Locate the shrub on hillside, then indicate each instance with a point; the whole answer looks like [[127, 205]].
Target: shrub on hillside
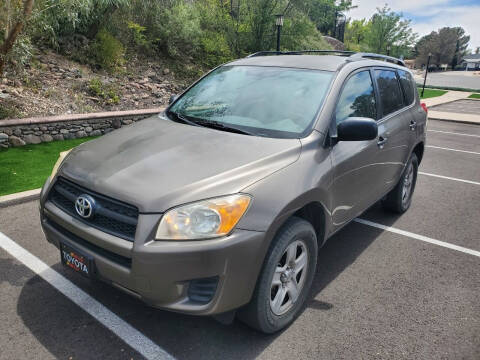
[[137, 33], [107, 52], [107, 92], [21, 53], [194, 34]]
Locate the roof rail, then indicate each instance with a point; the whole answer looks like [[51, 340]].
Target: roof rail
[[352, 55], [300, 52], [361, 55]]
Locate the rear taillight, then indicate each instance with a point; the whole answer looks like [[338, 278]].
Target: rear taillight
[[424, 107]]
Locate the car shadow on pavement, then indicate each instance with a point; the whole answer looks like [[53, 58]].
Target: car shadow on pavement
[[343, 249], [65, 331]]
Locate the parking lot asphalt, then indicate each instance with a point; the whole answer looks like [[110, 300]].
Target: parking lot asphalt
[[377, 294]]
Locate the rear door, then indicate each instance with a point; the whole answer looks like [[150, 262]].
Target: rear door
[[412, 101], [408, 88], [357, 182], [393, 126]]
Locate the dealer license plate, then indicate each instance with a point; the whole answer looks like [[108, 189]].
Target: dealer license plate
[[76, 260]]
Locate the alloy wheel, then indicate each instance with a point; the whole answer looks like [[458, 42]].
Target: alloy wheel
[[407, 185], [289, 277]]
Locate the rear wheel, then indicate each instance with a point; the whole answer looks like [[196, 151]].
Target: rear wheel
[[286, 278], [399, 199]]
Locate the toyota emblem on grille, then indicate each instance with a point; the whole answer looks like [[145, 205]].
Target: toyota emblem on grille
[[85, 206]]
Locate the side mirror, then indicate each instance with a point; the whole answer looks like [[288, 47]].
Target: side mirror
[[172, 99], [357, 129]]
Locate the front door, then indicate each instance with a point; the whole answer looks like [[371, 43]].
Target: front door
[[357, 174]]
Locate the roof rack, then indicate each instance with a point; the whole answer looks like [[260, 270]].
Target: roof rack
[[361, 55], [352, 56], [300, 52]]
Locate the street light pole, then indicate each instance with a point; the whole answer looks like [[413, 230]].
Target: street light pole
[[279, 23], [340, 20], [426, 71]]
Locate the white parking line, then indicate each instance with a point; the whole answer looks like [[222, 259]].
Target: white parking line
[[453, 133], [419, 237], [102, 314], [450, 149], [449, 178]]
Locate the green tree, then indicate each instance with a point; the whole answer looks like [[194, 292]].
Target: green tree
[[13, 22], [355, 34], [322, 12], [389, 32], [55, 18], [201, 32], [461, 45], [447, 46]]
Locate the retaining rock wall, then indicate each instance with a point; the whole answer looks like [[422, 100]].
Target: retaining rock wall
[[19, 132]]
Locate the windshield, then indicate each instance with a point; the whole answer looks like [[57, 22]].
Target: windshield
[[263, 101]]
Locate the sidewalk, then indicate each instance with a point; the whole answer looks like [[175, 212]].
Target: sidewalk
[[450, 96], [447, 97]]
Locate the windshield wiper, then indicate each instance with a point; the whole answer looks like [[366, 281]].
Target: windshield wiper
[[190, 120], [219, 126], [180, 118]]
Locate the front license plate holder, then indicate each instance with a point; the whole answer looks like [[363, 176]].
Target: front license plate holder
[[76, 260]]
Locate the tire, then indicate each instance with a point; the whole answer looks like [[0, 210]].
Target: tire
[[267, 312], [399, 199]]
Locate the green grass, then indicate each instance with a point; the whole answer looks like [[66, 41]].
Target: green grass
[[429, 93], [27, 167], [474, 96], [447, 88]]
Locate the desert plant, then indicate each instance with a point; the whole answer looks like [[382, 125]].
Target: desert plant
[[107, 92], [107, 52], [14, 22]]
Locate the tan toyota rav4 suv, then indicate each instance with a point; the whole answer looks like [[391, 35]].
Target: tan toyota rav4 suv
[[220, 204]]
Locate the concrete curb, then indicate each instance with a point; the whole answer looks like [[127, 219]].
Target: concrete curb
[[18, 198], [454, 121]]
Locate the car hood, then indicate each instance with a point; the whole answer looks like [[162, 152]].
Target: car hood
[[156, 164]]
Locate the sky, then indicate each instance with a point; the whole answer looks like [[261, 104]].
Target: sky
[[429, 15]]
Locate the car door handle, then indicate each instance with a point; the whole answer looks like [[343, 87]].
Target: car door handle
[[413, 125], [381, 142]]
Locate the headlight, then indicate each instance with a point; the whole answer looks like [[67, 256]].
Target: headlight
[[62, 157], [204, 219]]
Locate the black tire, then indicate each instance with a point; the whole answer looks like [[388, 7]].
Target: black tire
[[395, 201], [258, 313]]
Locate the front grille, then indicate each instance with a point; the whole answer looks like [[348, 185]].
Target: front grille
[[111, 216], [119, 259]]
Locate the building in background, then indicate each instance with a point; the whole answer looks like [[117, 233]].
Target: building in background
[[471, 62]]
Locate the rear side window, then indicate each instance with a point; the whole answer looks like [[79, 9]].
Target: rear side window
[[357, 98], [391, 96], [408, 86]]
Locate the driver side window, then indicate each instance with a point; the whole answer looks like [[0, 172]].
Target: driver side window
[[357, 98]]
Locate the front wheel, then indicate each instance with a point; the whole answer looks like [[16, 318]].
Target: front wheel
[[286, 278], [399, 199]]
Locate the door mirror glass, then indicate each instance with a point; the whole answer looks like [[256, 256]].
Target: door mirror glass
[[357, 129], [172, 99]]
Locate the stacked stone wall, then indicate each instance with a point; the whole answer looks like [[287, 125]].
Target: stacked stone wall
[[19, 132]]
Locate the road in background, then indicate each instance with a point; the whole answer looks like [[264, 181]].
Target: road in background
[[459, 79]]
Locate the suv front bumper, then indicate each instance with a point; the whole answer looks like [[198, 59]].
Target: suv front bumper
[[160, 272]]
